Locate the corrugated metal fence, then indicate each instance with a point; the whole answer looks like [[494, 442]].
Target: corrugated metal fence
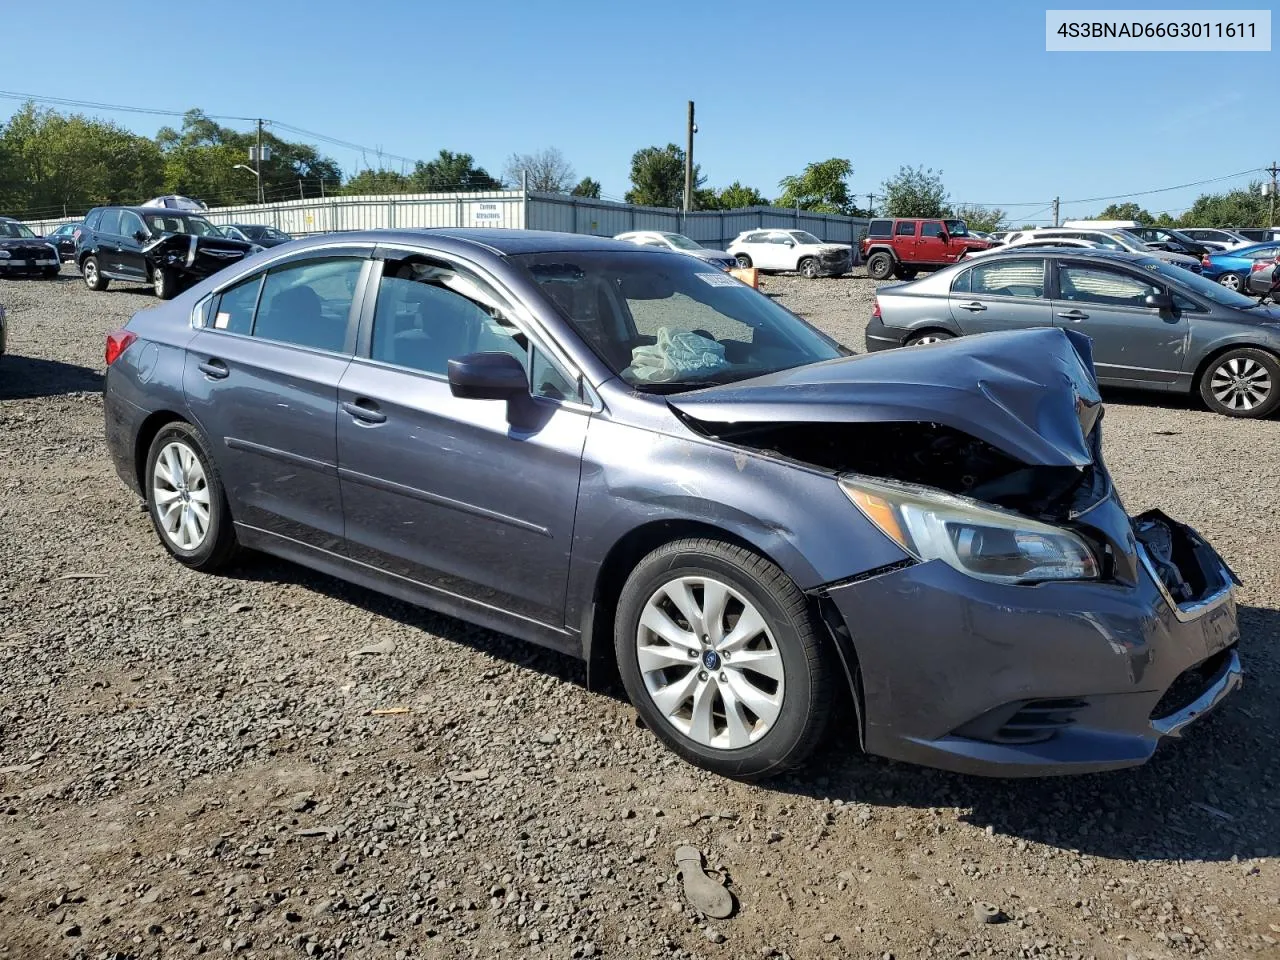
[[514, 209]]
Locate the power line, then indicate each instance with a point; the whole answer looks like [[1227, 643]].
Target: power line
[[93, 105]]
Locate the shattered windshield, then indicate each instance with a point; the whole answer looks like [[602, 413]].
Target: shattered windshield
[[179, 223], [672, 323]]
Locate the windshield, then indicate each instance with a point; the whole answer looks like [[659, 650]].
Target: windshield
[[681, 242], [15, 231], [803, 236], [1198, 284], [956, 228], [181, 223], [1131, 241], [671, 323]]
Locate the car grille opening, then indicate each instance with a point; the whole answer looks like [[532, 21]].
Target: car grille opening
[[1190, 685]]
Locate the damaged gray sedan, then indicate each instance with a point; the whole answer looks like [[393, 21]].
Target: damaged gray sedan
[[633, 458]]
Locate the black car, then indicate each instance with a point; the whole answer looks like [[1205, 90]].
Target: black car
[[171, 249], [1175, 241], [263, 236], [23, 254], [64, 238]]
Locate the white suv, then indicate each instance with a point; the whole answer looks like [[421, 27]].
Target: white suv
[[791, 250]]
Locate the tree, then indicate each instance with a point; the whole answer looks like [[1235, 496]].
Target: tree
[[915, 192], [823, 187], [1238, 208], [1125, 211], [979, 218], [587, 188], [1164, 220], [736, 195], [368, 182], [451, 172], [548, 171], [657, 177]]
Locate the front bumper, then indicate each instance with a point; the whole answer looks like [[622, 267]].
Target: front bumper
[[34, 266], [1058, 678]]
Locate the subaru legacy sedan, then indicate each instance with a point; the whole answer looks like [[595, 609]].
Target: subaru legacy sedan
[[631, 457], [1154, 326]]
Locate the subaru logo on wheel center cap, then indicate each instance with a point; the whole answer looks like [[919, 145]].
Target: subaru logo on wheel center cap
[[711, 660]]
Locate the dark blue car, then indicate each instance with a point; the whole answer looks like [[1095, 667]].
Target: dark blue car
[[629, 456], [1231, 268]]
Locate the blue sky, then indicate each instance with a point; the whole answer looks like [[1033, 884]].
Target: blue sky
[[963, 86]]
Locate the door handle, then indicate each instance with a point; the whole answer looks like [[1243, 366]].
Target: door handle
[[364, 410], [1074, 315], [974, 307], [214, 369]]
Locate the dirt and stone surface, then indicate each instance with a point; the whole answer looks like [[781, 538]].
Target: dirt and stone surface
[[204, 765]]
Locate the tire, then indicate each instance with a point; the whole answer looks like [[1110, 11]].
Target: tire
[[744, 262], [1232, 281], [166, 283], [928, 336], [808, 268], [879, 266], [1244, 382], [177, 481], [93, 279], [793, 698], [909, 273]]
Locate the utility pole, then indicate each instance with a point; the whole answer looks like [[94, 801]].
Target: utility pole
[[688, 163], [258, 161], [1273, 170], [1055, 211], [871, 204]]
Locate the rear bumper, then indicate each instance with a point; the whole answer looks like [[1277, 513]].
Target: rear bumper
[[880, 337], [1009, 681], [122, 421]]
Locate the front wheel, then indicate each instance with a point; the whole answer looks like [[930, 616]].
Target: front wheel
[[809, 268], [719, 654], [744, 262], [93, 278], [166, 283], [1244, 382], [880, 266], [186, 500]]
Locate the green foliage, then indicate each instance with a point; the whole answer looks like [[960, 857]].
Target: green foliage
[[1124, 211], [823, 187], [1164, 220], [451, 172], [980, 218], [1238, 208], [915, 192], [587, 188], [736, 195], [373, 182], [657, 177]]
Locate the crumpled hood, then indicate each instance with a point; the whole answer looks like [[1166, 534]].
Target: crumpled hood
[[1029, 393]]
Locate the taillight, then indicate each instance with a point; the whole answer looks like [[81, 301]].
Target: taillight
[[875, 313], [1204, 261], [1261, 265], [118, 341]]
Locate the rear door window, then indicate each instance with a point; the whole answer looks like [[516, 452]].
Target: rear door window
[[308, 304], [905, 228], [110, 222]]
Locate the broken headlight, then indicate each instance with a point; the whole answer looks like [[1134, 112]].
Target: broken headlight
[[976, 539]]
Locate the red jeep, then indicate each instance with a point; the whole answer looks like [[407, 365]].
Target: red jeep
[[902, 246]]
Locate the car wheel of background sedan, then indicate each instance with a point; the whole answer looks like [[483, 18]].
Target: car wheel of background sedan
[[928, 336], [1232, 281], [1242, 383], [92, 278], [879, 266], [186, 500], [809, 268], [744, 262], [720, 657], [166, 283]]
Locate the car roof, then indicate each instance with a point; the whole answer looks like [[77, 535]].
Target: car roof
[[1090, 252], [500, 241], [150, 211]]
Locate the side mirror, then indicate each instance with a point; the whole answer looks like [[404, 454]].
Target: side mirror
[[1159, 301], [487, 376]]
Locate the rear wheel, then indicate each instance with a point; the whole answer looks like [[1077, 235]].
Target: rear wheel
[[186, 500], [1244, 382], [93, 278], [880, 266], [1232, 281], [928, 336], [720, 656], [744, 262]]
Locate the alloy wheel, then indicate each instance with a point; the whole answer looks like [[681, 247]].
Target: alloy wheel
[[927, 338], [90, 273], [180, 491], [709, 662], [1230, 281], [1241, 383]]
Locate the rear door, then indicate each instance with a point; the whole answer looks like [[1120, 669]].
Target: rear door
[[132, 263], [1133, 344], [1007, 293], [904, 240], [261, 379], [107, 244]]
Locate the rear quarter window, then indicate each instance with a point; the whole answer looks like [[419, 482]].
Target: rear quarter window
[[879, 228]]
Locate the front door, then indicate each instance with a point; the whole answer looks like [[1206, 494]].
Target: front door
[[1004, 294], [930, 247], [1133, 344], [261, 380], [447, 492], [776, 252]]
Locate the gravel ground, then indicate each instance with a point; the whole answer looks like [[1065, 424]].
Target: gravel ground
[[194, 764]]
